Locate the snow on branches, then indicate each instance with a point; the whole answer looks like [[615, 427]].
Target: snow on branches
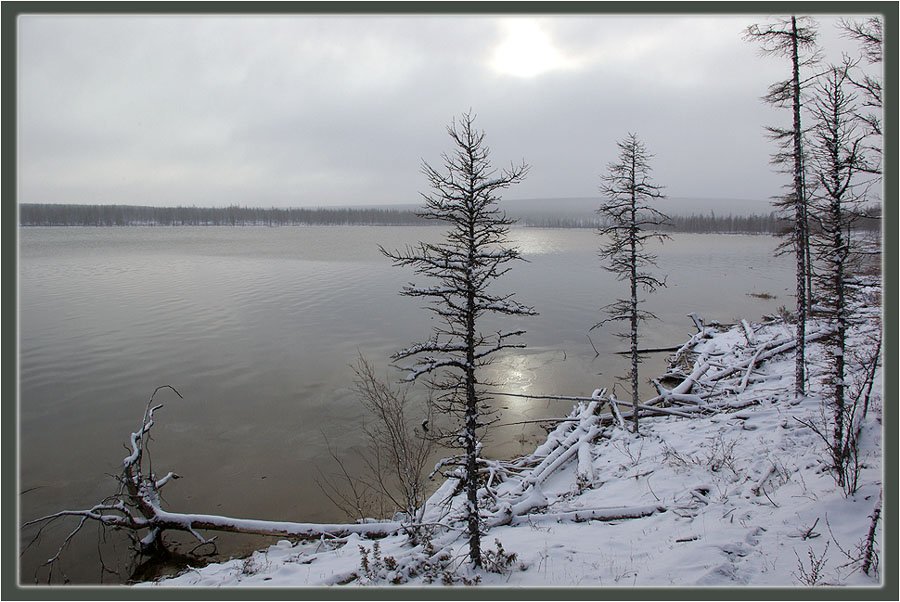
[[628, 223], [473, 255]]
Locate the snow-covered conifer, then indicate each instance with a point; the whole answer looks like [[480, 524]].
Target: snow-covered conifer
[[474, 254], [837, 160], [628, 222]]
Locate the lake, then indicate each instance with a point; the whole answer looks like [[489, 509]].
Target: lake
[[257, 328]]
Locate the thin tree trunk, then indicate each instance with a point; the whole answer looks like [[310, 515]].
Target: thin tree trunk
[[800, 238], [471, 411], [808, 256], [842, 437], [634, 299], [870, 557]]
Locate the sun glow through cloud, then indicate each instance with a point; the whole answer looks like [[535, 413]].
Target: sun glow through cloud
[[526, 51]]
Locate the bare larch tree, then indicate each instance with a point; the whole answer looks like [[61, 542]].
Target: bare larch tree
[[794, 38], [473, 255], [836, 157], [628, 222]]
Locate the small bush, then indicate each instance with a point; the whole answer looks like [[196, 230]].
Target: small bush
[[498, 561], [811, 576]]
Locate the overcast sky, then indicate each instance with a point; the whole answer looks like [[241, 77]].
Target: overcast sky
[[301, 111]]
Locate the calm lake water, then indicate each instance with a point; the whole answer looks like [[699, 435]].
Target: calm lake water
[[257, 328]]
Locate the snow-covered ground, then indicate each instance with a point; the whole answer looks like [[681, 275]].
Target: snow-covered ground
[[736, 491]]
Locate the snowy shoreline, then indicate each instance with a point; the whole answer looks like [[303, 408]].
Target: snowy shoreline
[[731, 488]]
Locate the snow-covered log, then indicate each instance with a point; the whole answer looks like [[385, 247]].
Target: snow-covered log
[[115, 515], [680, 398], [748, 332], [753, 361], [564, 427], [601, 514], [703, 334], [654, 409], [614, 408], [568, 442], [559, 434], [289, 530], [698, 321], [565, 452], [584, 473]]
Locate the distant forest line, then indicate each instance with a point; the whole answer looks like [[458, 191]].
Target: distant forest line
[[41, 214]]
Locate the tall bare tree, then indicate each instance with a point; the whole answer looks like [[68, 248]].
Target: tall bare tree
[[837, 159], [793, 38], [628, 223], [474, 254]]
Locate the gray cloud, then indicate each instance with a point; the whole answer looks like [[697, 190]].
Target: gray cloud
[[300, 110]]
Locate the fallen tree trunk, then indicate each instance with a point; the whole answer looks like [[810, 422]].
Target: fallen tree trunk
[[136, 507], [614, 408], [290, 530], [586, 430], [643, 406], [748, 332], [650, 408], [119, 516], [653, 350], [601, 514]]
